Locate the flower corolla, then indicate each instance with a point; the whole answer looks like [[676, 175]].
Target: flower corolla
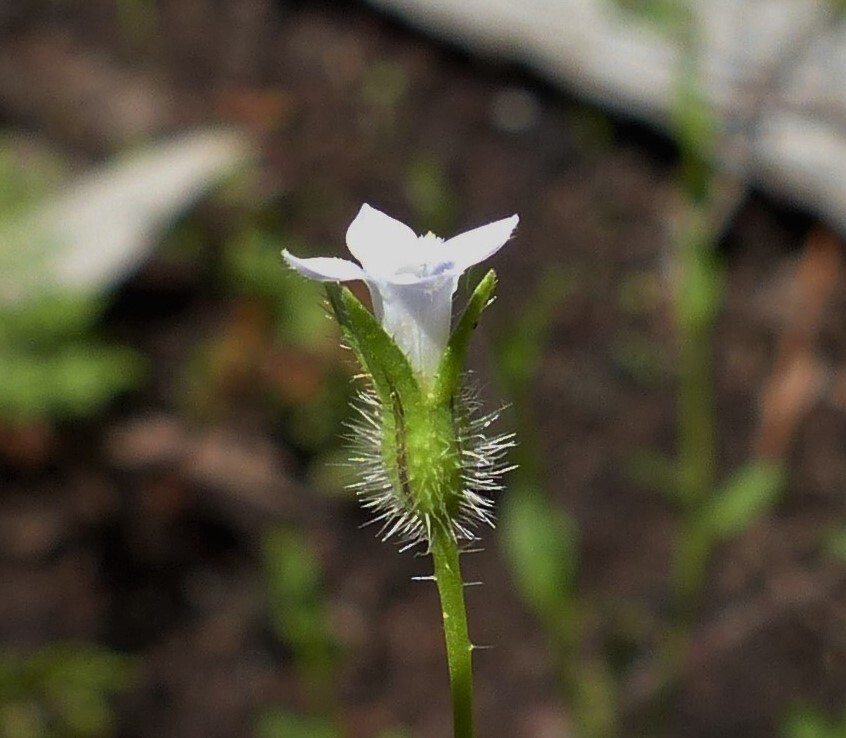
[[411, 278]]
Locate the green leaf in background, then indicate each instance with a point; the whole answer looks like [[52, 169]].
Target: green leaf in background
[[812, 723], [542, 548], [747, 496], [540, 541], [29, 171], [696, 129], [253, 268], [835, 543], [73, 380], [61, 691], [48, 319], [297, 610], [663, 13], [520, 349]]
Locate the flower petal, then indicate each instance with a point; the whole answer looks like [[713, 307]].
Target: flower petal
[[381, 243], [324, 268], [417, 317], [472, 247]]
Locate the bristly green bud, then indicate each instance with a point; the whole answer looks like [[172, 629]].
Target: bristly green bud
[[443, 474], [421, 449]]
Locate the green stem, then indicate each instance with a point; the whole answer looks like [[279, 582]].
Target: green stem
[[696, 416], [697, 430], [690, 568], [696, 387], [458, 647]]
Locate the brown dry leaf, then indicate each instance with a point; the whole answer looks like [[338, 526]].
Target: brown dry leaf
[[799, 376]]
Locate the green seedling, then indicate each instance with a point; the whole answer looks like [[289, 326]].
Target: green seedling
[[300, 621], [539, 540], [298, 612], [711, 511]]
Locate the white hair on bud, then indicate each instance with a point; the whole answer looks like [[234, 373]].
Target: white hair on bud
[[482, 464]]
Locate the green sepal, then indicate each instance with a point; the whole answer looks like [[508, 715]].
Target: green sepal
[[418, 435], [455, 355], [384, 362]]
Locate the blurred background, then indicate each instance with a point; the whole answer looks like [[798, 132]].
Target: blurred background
[[178, 553]]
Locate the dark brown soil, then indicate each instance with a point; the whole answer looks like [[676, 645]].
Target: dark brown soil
[[140, 529]]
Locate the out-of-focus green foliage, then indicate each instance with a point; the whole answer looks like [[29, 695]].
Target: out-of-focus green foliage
[[297, 609], [541, 544], [835, 543], [430, 193], [701, 283], [42, 323], [539, 539], [71, 381], [300, 621], [811, 723], [281, 724], [254, 267], [519, 351], [384, 86], [61, 691], [664, 13], [25, 175], [748, 493], [52, 365], [285, 347], [138, 20]]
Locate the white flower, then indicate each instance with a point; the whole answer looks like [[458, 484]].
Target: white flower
[[411, 278]]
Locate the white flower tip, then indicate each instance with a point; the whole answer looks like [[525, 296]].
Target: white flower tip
[[324, 268], [473, 247], [378, 241], [507, 225]]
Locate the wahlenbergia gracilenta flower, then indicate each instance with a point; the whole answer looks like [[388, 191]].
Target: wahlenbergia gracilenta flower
[[425, 462]]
